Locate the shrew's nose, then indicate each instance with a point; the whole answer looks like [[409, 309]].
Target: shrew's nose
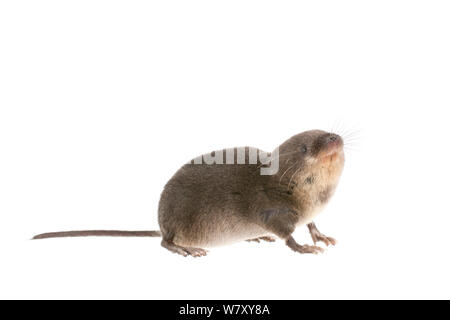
[[333, 137]]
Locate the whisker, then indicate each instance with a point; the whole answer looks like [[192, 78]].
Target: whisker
[[351, 148], [289, 184], [279, 182], [347, 132], [333, 126], [352, 139], [352, 131], [337, 126], [351, 135], [352, 144]]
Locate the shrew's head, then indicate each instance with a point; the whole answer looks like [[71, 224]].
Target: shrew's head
[[310, 154]]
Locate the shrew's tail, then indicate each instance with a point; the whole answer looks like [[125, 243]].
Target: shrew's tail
[[98, 233]]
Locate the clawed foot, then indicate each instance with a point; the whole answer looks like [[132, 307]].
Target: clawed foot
[[290, 242], [307, 249], [320, 237], [317, 236], [196, 252], [184, 251], [268, 239]]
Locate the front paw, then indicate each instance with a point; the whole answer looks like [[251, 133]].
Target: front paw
[[319, 237]]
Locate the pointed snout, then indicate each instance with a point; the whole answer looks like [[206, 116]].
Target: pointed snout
[[334, 141], [331, 144]]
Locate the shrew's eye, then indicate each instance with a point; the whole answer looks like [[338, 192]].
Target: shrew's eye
[[304, 149]]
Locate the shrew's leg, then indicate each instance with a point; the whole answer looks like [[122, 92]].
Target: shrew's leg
[[184, 251], [317, 236], [282, 222], [290, 242]]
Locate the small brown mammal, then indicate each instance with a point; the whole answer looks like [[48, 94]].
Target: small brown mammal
[[205, 205]]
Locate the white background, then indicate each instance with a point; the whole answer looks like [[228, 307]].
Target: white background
[[102, 101]]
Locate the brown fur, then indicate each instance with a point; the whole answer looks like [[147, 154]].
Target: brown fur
[[205, 205]]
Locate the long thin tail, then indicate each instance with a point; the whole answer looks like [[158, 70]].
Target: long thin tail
[[98, 233]]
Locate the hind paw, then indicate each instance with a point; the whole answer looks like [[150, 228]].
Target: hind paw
[[184, 251], [268, 239]]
